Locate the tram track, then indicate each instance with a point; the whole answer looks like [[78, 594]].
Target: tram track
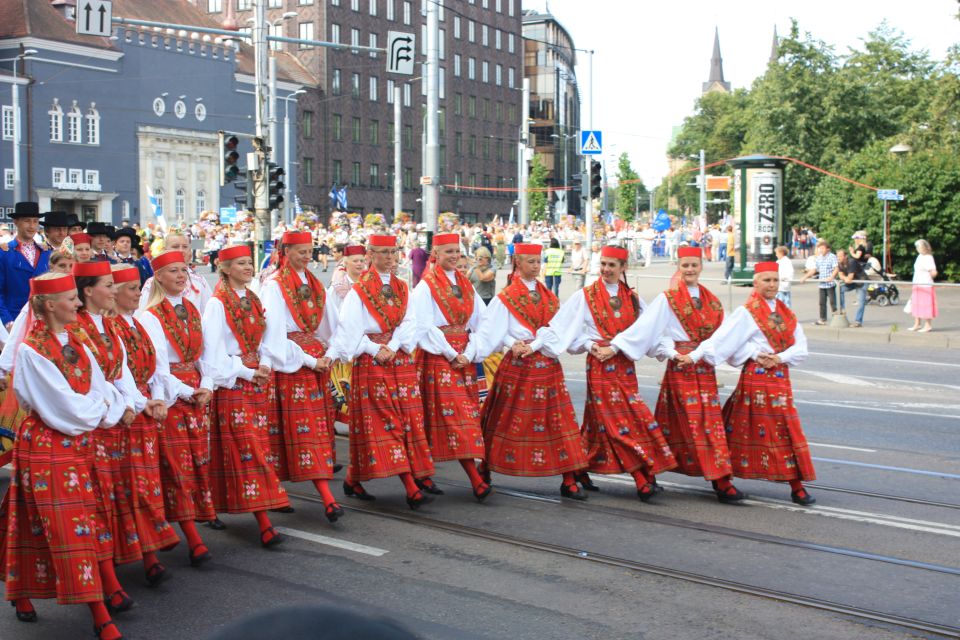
[[884, 496], [861, 613]]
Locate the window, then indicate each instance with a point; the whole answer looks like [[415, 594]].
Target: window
[[354, 39], [458, 104], [510, 79], [335, 82], [390, 10], [497, 42], [336, 126], [158, 196], [59, 176], [511, 114], [510, 42], [374, 42], [472, 147], [498, 75], [214, 6], [337, 169], [485, 71], [373, 88], [374, 175], [374, 129], [7, 122], [458, 178], [355, 85], [407, 136], [456, 27], [304, 2], [407, 178], [458, 143], [487, 111], [274, 4], [201, 202], [406, 13], [443, 44], [305, 32], [276, 30], [443, 83], [406, 94], [510, 7], [180, 203], [485, 35], [8, 179], [308, 171], [355, 130], [499, 148], [335, 33], [355, 5], [472, 106], [456, 65], [355, 177], [499, 5], [486, 148], [472, 180], [472, 68], [92, 177], [499, 111], [334, 3], [390, 175], [74, 119], [390, 87], [471, 31], [307, 123], [373, 7], [390, 131]]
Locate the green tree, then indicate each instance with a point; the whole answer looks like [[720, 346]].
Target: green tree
[[629, 187], [537, 200]]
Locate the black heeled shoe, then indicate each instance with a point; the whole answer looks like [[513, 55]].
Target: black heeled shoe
[[572, 491], [24, 616], [274, 539], [484, 471], [98, 630], [357, 491], [126, 603], [417, 500], [156, 574], [287, 509], [646, 492], [198, 560], [584, 479], [803, 498], [430, 486], [333, 512], [731, 495], [481, 491], [337, 468], [216, 524]]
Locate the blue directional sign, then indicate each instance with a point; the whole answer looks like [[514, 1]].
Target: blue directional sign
[[889, 194], [591, 143]]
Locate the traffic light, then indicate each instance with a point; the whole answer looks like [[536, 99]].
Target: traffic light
[[243, 200], [596, 179], [230, 156], [275, 185]]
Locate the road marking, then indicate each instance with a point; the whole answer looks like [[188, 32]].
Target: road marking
[[883, 467], [840, 446], [332, 542], [837, 405], [866, 517], [840, 378], [887, 360]]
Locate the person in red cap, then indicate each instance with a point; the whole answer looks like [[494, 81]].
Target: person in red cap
[[529, 425], [54, 543], [619, 432], [350, 267], [197, 290], [140, 465], [82, 246], [300, 326], [673, 328], [449, 313], [378, 332], [763, 428], [174, 326], [242, 479]]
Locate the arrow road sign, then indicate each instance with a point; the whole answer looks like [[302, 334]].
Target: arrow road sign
[[400, 50], [93, 18], [591, 143]]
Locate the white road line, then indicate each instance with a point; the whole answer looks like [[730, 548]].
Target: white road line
[[836, 405], [841, 378], [332, 542], [840, 446], [883, 467], [866, 517], [844, 355]]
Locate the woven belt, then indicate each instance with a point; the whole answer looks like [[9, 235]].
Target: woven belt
[[453, 329], [381, 338], [250, 360], [183, 367]]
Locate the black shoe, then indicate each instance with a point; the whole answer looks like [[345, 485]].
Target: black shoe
[[198, 560], [287, 509], [656, 487], [357, 491], [572, 491], [273, 540], [482, 491], [417, 500], [333, 512], [430, 487], [98, 630], [646, 492], [156, 574], [126, 603], [803, 498], [216, 524], [337, 468], [484, 472], [24, 616], [584, 479], [731, 495]]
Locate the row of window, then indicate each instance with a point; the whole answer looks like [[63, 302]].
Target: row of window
[[375, 180], [373, 40], [78, 124], [75, 179], [484, 71], [180, 201], [373, 6]]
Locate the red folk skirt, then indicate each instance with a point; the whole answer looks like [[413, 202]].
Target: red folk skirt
[[387, 437], [619, 432], [301, 427], [185, 455], [53, 538], [141, 473], [688, 411], [763, 427], [528, 421], [451, 406], [242, 479], [113, 498]]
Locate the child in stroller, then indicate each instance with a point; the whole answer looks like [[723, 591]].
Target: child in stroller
[[883, 291]]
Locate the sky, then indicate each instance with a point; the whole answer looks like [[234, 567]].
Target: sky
[[652, 57]]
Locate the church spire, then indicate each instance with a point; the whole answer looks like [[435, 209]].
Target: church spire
[[774, 49], [716, 82]]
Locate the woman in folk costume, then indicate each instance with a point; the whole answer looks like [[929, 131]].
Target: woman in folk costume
[[448, 313], [241, 477], [347, 272], [619, 432], [174, 326], [529, 426], [55, 544], [763, 428], [299, 327], [378, 332], [141, 463], [673, 328]]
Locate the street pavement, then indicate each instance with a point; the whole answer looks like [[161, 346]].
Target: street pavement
[[882, 418]]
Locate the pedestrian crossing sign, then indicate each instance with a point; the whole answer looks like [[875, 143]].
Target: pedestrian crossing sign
[[591, 143]]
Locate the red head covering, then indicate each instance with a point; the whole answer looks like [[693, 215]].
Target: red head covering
[[50, 286], [527, 249], [126, 273], [91, 269], [618, 253], [762, 267], [235, 251], [81, 238], [689, 252], [446, 238], [354, 250], [296, 237], [167, 258], [382, 241]]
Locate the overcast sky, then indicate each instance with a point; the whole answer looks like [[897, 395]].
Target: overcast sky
[[652, 57]]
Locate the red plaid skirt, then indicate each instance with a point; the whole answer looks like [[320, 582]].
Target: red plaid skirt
[[113, 496], [242, 479], [185, 455], [688, 411], [301, 431], [528, 421], [141, 473], [53, 539], [387, 437], [451, 407], [763, 427], [619, 432]]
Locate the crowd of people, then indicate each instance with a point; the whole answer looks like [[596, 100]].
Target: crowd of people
[[136, 409]]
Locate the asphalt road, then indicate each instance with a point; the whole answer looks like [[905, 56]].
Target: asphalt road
[[885, 536]]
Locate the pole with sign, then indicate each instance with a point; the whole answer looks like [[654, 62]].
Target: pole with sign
[[887, 195]]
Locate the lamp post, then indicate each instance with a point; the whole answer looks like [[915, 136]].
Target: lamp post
[[897, 150], [286, 147], [564, 141], [15, 94]]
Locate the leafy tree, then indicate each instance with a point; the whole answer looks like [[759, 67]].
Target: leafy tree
[[627, 189], [537, 200]]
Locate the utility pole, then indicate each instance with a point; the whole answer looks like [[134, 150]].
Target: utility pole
[[259, 175], [431, 150], [272, 137], [524, 166], [585, 164], [397, 176]]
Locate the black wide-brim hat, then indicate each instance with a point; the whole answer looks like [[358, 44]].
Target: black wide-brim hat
[[127, 232], [101, 229], [26, 210], [56, 219], [74, 221]]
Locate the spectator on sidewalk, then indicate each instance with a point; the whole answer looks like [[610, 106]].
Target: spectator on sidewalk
[[923, 300], [785, 267], [851, 270], [578, 264], [860, 249], [553, 266], [732, 244], [826, 272]]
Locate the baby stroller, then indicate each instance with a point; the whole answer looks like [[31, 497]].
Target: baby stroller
[[883, 292]]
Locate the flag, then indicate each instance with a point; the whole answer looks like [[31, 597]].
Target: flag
[[157, 209], [511, 216], [342, 197], [297, 209], [333, 196]]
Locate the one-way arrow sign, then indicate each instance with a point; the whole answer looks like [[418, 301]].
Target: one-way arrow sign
[[94, 18]]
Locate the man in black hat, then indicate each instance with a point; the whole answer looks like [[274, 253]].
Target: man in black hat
[[23, 259], [55, 228], [126, 242], [74, 224], [102, 235]]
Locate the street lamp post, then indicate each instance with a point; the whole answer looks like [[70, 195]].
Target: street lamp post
[[286, 148], [564, 141], [897, 150], [15, 94]]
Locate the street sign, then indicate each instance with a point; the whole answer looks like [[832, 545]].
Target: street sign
[[400, 50], [591, 143], [426, 180], [718, 183], [94, 17], [889, 194]]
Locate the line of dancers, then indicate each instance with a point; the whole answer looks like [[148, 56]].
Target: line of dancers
[[145, 410]]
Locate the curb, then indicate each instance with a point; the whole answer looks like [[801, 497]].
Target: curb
[[931, 340]]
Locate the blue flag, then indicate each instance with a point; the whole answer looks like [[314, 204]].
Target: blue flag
[[342, 197], [333, 196]]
